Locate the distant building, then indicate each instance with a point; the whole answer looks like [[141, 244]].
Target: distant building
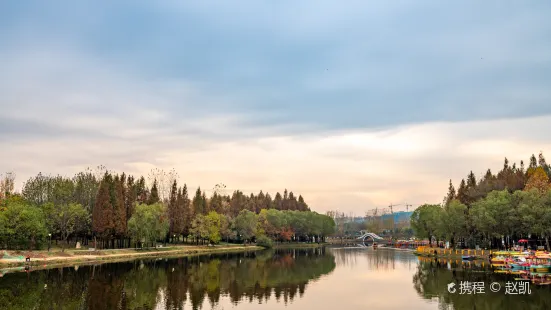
[[400, 216]]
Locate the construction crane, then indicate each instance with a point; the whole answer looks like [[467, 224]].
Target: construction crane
[[392, 214]]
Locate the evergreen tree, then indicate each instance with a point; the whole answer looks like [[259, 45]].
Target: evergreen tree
[[285, 201], [206, 204], [462, 192], [251, 203], [154, 195], [119, 207], [451, 194], [293, 204], [261, 201], [131, 197], [173, 208], [278, 202], [268, 204], [542, 163], [102, 216], [471, 180], [237, 202], [302, 206], [532, 167], [521, 166], [198, 206], [187, 210], [141, 191], [472, 190]]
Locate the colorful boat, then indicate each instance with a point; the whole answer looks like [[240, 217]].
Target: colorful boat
[[541, 263]]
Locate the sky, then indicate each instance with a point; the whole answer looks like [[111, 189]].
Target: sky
[[354, 105]]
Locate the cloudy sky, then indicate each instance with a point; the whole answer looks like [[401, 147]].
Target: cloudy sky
[[353, 105]]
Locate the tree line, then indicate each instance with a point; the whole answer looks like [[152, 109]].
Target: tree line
[[492, 212], [118, 210]]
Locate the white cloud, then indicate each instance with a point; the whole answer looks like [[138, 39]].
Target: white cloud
[[98, 112], [352, 171]]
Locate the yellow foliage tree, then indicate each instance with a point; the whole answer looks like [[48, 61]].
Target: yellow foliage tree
[[538, 180]]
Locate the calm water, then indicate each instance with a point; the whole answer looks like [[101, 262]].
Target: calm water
[[328, 278]]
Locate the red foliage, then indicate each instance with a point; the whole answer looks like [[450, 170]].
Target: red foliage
[[286, 234]]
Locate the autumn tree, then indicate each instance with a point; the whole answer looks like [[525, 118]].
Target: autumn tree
[[538, 180], [103, 215]]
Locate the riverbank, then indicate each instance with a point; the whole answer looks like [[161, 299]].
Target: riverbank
[[451, 253], [298, 245], [44, 258]]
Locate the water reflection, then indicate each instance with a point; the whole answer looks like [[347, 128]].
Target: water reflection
[[169, 284], [432, 277], [380, 259]]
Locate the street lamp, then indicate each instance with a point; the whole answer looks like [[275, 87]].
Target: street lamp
[[173, 237], [49, 242]]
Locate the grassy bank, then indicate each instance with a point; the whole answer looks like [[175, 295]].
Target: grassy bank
[[298, 245], [74, 257]]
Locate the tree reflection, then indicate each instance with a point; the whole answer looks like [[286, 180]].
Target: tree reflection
[[432, 277], [170, 283], [381, 259]]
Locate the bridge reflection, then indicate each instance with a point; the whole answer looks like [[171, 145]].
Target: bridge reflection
[[381, 259]]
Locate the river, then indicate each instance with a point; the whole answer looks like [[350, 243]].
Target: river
[[323, 278]]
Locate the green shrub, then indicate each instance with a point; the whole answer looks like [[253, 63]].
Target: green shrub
[[264, 241]]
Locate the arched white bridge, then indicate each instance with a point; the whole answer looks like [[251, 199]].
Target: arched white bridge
[[365, 234]]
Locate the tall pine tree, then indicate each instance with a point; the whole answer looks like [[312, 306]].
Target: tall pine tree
[[462, 192], [187, 210], [154, 195], [198, 206], [102, 215], [451, 194], [141, 191], [173, 209]]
